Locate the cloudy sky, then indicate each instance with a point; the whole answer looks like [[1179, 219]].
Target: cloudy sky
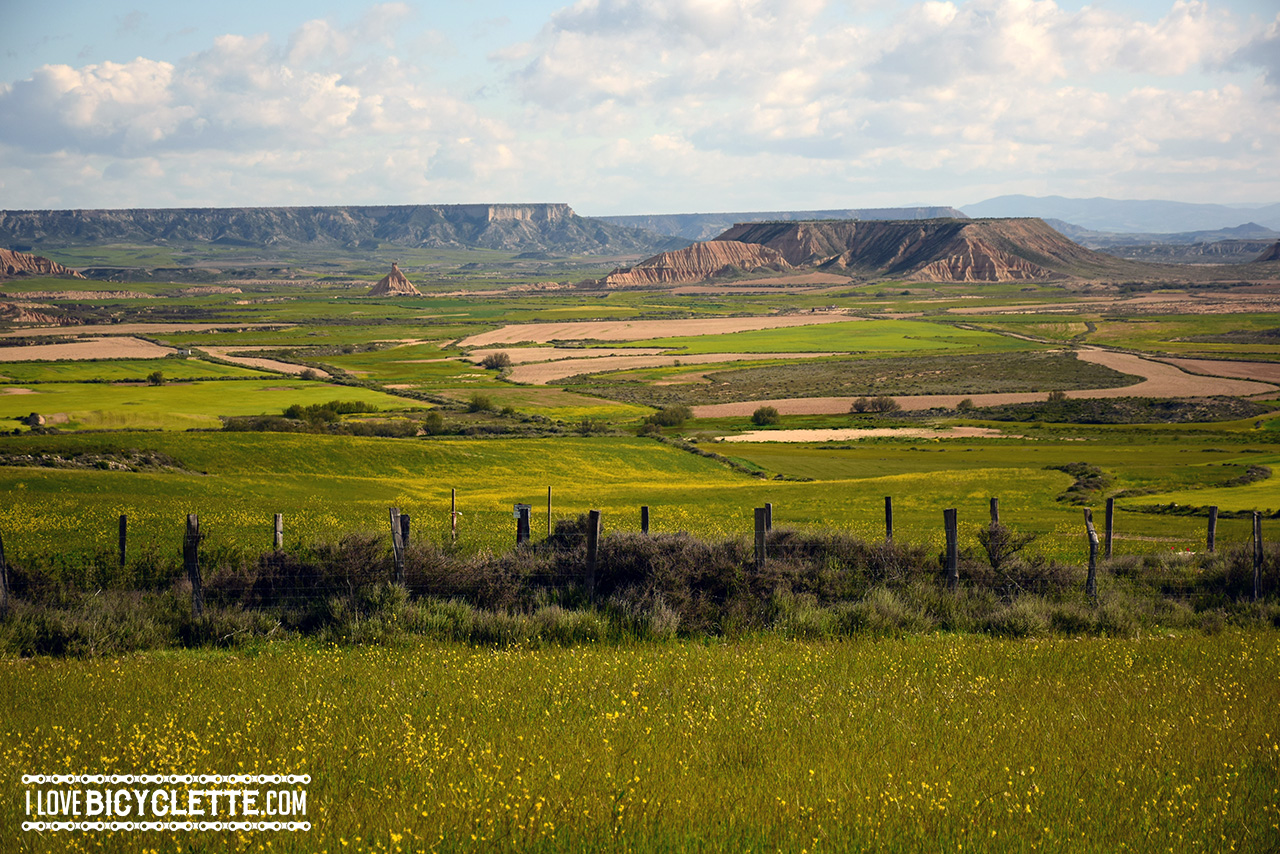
[[636, 106]]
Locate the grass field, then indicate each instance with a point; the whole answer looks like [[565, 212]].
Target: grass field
[[327, 485], [876, 336], [176, 406], [121, 370], [937, 743]]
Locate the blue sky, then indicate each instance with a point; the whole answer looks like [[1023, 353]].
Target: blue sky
[[636, 106]]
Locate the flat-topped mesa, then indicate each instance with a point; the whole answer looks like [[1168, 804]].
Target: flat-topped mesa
[[394, 283], [539, 212], [14, 264], [698, 262], [944, 250]]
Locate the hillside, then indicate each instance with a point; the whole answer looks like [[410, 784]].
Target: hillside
[[697, 262], [553, 228], [704, 226], [14, 264], [947, 250]]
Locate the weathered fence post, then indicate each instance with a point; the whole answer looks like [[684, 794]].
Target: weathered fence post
[[521, 512], [279, 531], [124, 538], [1257, 553], [768, 517], [995, 512], [397, 545], [191, 560], [4, 578], [1091, 581], [888, 518], [1211, 541], [760, 537], [404, 531], [644, 520], [593, 543], [953, 548], [453, 514], [548, 512], [1111, 524]]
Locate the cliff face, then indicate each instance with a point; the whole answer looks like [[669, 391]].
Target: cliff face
[[522, 228], [698, 262], [945, 250], [25, 264]]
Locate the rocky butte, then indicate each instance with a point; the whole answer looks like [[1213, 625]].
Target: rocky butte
[[938, 250]]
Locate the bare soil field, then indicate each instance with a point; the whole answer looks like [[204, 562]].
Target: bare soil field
[[136, 329], [855, 433], [523, 355], [89, 348], [1160, 380], [542, 373], [1267, 372], [227, 355], [637, 330]]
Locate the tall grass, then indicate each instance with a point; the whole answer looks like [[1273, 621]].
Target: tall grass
[[933, 743]]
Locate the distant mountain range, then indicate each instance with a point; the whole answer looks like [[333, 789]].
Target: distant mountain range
[[704, 226], [1154, 219]]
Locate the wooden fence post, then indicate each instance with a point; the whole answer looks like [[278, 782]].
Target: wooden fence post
[[995, 512], [760, 537], [644, 520], [522, 512], [1257, 553], [279, 531], [1091, 582], [404, 531], [124, 538], [1211, 541], [768, 517], [548, 512], [953, 548], [453, 514], [593, 544], [4, 579], [397, 545], [888, 519], [1111, 525], [191, 559]]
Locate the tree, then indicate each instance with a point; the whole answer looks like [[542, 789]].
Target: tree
[[496, 361], [480, 403], [671, 416], [883, 403], [155, 378], [765, 416], [965, 405]]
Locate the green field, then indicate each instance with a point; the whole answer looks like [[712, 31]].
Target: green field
[[871, 336], [175, 406], [121, 370], [936, 743]]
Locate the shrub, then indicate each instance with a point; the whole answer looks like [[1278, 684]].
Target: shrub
[[496, 361], [155, 378], [765, 416], [670, 416], [480, 403]]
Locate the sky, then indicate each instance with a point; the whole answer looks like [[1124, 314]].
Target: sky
[[636, 106]]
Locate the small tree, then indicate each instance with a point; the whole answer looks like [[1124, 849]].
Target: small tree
[[671, 416], [155, 378], [859, 406], [480, 403], [765, 416], [496, 361], [883, 403], [965, 405]]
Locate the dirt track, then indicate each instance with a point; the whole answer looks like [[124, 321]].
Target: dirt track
[[225, 353], [1160, 380], [638, 330], [855, 433], [135, 329]]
